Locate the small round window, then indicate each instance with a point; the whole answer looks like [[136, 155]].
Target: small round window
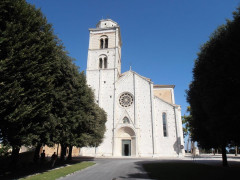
[[126, 99]]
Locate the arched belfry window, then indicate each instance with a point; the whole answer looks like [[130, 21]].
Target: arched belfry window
[[164, 120], [106, 43], [103, 62], [103, 42], [126, 120]]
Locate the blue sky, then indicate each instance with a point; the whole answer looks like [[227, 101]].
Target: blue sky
[[161, 38]]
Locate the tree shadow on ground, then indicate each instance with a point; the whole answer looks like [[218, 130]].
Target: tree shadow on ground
[[24, 169], [188, 170], [184, 170], [142, 173], [218, 156]]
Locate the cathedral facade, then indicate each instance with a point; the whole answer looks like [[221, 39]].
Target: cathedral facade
[[142, 118]]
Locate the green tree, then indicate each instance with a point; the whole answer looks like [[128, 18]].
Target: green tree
[[4, 150], [187, 128], [185, 120], [214, 92], [90, 126], [97, 126], [43, 97], [90, 131], [82, 119], [29, 71]]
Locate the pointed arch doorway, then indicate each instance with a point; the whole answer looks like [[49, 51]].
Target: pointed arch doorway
[[125, 142]]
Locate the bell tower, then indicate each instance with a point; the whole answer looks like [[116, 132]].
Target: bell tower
[[103, 70]]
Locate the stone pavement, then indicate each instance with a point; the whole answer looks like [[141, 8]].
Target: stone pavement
[[131, 168], [110, 168]]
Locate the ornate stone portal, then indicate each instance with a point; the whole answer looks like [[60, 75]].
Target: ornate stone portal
[[125, 142]]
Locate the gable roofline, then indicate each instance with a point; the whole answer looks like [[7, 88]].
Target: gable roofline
[[131, 71], [163, 86], [173, 105], [163, 101]]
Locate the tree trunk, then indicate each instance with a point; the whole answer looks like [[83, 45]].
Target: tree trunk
[[188, 145], [36, 153], [63, 152], [14, 156], [236, 150], [224, 156], [70, 153], [192, 146], [57, 148]]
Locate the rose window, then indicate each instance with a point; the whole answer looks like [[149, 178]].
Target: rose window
[[126, 100]]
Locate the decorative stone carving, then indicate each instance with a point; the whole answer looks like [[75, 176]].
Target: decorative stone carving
[[126, 99]]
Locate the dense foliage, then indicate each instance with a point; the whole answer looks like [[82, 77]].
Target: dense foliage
[[186, 119], [4, 150], [43, 98], [214, 92]]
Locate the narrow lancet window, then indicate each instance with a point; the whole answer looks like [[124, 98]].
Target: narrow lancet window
[[126, 120], [105, 63], [101, 43], [106, 43], [100, 63], [164, 119]]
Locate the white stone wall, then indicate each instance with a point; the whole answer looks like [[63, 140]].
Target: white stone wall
[[124, 84], [145, 114], [104, 94], [113, 52], [102, 81], [93, 56], [94, 42], [180, 129], [139, 113], [165, 146]]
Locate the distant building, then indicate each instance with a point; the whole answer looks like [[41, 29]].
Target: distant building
[[57, 148], [142, 118], [50, 150]]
